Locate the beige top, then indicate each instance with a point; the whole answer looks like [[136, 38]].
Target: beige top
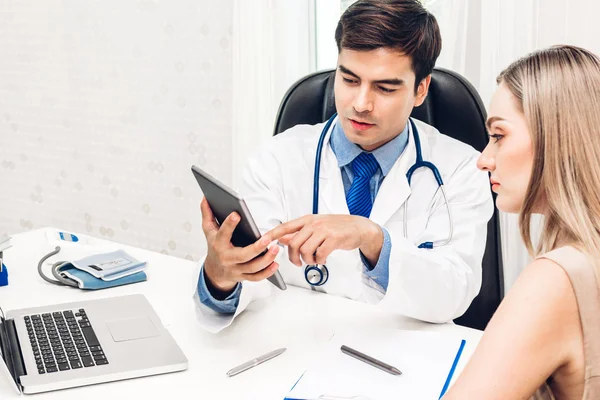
[[583, 279]]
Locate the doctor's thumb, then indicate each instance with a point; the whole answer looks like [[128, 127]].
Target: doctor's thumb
[[208, 219]]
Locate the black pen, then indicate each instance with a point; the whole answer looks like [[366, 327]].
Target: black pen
[[370, 360]]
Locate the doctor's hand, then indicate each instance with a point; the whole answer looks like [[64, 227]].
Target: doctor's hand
[[225, 264], [313, 237]]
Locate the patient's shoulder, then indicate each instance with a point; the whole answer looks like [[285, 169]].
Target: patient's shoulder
[[543, 295], [545, 279]]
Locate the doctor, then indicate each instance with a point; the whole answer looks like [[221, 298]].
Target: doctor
[[383, 238]]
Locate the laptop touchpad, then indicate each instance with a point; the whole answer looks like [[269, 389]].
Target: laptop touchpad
[[131, 329]]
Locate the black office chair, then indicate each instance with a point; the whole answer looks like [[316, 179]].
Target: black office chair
[[454, 108]]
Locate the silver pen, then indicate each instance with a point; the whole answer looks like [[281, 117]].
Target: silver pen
[[255, 361], [370, 360]]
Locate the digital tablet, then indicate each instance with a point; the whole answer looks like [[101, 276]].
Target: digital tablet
[[223, 201]]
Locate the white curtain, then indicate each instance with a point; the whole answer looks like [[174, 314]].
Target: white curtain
[[273, 46], [482, 37]]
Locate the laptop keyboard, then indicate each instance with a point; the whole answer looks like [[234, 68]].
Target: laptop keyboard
[[63, 340]]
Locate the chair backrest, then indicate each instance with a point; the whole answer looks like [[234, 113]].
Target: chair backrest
[[454, 107]]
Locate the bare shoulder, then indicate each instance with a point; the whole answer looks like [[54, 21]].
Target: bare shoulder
[[534, 334], [547, 286], [545, 275], [543, 299], [540, 307]]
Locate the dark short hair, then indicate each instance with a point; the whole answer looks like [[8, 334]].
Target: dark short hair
[[402, 25]]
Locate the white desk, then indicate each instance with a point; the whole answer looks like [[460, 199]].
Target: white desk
[[298, 319]]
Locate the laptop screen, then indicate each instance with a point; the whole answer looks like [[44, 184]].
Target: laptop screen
[[5, 362]]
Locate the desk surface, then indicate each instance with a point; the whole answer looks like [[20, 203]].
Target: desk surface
[[298, 319]]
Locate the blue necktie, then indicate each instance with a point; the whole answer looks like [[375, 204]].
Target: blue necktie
[[358, 198]]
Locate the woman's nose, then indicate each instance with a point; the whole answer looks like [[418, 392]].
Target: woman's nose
[[486, 161]]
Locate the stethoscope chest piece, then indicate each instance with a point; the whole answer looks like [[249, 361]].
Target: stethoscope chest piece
[[316, 275]]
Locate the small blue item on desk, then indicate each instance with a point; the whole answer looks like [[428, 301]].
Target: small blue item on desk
[[3, 275], [68, 237], [4, 244]]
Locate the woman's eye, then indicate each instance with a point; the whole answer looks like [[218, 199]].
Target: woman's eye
[[496, 137]]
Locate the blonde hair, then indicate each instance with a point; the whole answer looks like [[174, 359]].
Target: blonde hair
[[558, 90]]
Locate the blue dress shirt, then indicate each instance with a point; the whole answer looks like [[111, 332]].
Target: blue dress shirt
[[345, 151]]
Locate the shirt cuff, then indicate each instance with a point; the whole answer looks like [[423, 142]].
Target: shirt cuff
[[380, 273], [227, 306]]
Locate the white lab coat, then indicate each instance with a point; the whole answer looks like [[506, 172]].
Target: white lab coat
[[435, 285]]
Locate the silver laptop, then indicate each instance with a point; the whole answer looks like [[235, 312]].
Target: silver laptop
[[87, 342]]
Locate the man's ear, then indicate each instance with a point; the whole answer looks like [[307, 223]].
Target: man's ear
[[422, 91]]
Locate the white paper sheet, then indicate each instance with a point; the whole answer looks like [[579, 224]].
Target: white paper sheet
[[425, 359]]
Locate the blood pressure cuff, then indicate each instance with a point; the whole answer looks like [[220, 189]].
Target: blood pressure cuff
[[87, 281]]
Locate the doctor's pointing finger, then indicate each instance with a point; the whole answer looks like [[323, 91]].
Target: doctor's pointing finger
[[313, 237]]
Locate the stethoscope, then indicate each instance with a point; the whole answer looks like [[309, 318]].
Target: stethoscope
[[317, 275]]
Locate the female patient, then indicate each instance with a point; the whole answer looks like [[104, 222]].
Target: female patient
[[544, 157]]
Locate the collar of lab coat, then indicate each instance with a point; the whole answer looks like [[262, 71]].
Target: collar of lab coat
[[392, 194]]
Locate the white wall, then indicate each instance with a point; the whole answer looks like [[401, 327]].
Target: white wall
[[104, 106]]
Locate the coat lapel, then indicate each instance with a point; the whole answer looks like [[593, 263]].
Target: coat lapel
[[332, 197], [394, 189]]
